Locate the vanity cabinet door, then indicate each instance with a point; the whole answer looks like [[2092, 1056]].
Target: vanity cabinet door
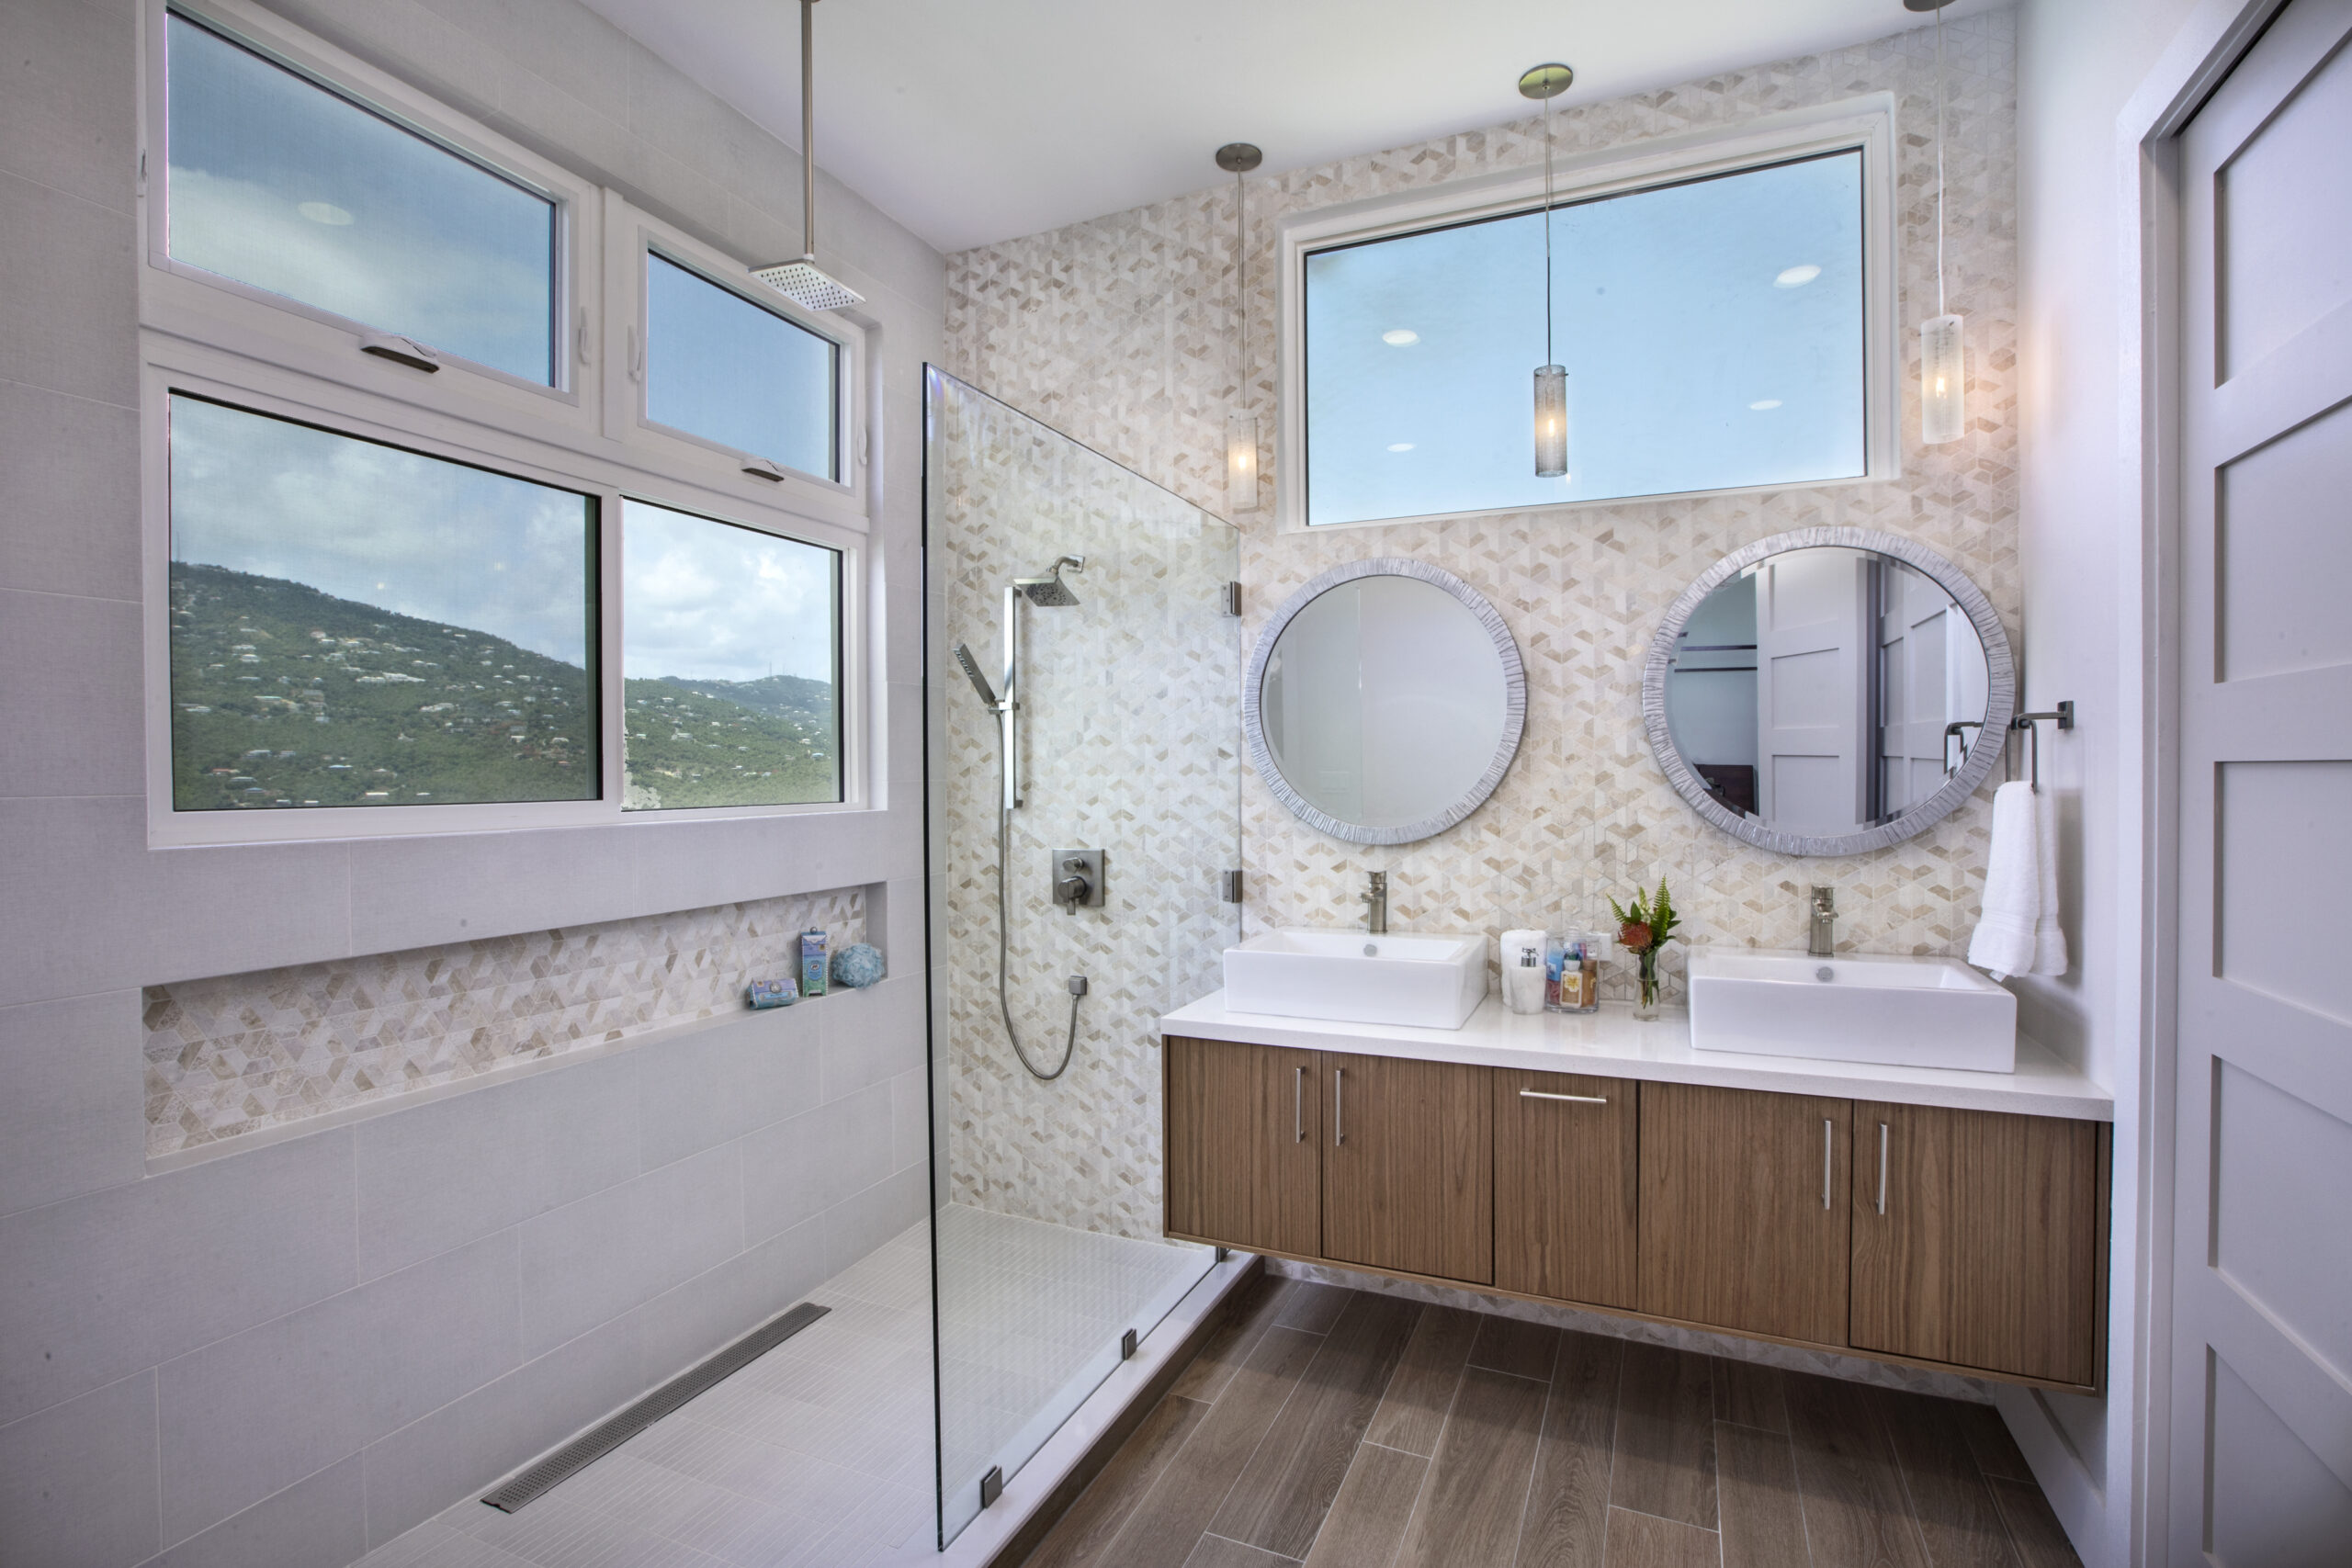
[[1242, 1145], [1408, 1166], [1976, 1239], [1744, 1210], [1566, 1173]]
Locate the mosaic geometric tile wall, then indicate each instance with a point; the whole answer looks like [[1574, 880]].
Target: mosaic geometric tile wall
[[1131, 720], [1120, 331], [238, 1053]]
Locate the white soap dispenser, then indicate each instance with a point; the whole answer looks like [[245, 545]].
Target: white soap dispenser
[[1524, 971]]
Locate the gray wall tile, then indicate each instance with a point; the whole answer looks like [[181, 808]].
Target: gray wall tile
[[442, 888], [71, 692], [910, 1113], [432, 1463], [591, 1261], [109, 912], [433, 1176], [681, 1327], [102, 1286], [321, 1519], [795, 1170], [865, 1221], [571, 47], [66, 99], [70, 311], [867, 1036], [702, 1090], [69, 494], [247, 1415], [77, 1482], [73, 1119]]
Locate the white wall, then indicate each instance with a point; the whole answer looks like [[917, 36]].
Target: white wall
[[2080, 536], [289, 1354]]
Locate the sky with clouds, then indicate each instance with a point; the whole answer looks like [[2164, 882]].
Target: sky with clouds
[[712, 600]]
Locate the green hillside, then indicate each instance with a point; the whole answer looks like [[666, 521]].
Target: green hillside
[[766, 743], [285, 696]]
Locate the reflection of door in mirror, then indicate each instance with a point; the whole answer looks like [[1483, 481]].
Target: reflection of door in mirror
[[1812, 632], [1713, 714], [1314, 717], [1930, 674]]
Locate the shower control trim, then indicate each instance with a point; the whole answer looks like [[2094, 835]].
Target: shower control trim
[[1077, 879]]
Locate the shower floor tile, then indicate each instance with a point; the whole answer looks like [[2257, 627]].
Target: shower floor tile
[[821, 1451]]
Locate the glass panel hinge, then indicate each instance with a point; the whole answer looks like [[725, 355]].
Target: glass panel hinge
[[1229, 882], [992, 1484]]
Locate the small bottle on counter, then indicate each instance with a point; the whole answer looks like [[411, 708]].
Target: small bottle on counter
[[1526, 976], [1564, 965], [1593, 947]]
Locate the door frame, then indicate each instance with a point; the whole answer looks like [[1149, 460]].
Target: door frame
[[2206, 48]]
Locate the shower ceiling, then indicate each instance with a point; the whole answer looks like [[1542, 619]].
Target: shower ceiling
[[971, 123]]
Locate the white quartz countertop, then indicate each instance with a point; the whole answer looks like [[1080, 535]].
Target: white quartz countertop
[[1613, 1043]]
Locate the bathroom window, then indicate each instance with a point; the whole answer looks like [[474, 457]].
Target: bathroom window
[[355, 624], [1720, 318], [275, 182], [730, 657], [737, 373]]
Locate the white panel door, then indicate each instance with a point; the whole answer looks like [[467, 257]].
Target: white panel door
[[2262, 1288], [1813, 640], [1924, 644]]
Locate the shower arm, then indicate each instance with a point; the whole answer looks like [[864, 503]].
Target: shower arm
[[1009, 711]]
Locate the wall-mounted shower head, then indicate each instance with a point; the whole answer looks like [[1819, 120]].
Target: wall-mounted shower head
[[972, 670], [1050, 592]]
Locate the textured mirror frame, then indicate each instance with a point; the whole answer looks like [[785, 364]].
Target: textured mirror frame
[[2000, 709], [1254, 730]]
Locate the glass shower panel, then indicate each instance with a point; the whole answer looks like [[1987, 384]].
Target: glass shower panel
[[1047, 1206]]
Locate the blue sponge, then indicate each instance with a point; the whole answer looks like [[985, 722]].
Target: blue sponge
[[856, 966]]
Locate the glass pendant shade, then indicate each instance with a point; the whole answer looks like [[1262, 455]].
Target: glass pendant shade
[[1943, 397], [1241, 462], [1551, 421]]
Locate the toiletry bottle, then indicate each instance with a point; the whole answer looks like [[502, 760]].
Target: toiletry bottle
[[1524, 973], [814, 964], [1595, 947], [1556, 963]]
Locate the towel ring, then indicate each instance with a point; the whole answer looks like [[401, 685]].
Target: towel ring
[[2063, 717]]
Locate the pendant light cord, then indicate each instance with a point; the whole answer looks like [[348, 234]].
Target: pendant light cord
[[1939, 160], [1240, 296], [1548, 358]]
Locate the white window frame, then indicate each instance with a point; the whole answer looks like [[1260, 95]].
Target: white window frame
[[214, 338], [1866, 123], [631, 236], [207, 306]]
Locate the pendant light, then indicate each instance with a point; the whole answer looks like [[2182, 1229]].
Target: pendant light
[[1943, 384], [1238, 158], [803, 282], [1546, 83]]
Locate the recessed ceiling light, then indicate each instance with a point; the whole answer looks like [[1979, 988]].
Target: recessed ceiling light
[[1796, 277], [1398, 337], [1763, 403], [1400, 447], [325, 212]]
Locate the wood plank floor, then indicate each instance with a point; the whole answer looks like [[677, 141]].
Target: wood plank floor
[[1341, 1429]]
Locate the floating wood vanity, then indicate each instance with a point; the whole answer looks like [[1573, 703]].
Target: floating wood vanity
[[1926, 1216]]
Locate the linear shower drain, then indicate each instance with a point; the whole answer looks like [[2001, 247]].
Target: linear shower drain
[[544, 1472]]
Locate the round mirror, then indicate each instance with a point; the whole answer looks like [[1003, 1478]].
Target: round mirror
[[1384, 701], [1829, 691]]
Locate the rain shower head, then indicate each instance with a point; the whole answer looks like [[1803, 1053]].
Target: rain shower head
[[972, 671], [1050, 592]]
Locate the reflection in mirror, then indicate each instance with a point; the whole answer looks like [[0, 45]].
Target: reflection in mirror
[[1387, 702], [1826, 691]]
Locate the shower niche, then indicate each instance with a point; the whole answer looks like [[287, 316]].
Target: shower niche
[[1084, 799]]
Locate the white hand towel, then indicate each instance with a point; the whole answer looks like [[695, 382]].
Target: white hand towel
[[2019, 932]]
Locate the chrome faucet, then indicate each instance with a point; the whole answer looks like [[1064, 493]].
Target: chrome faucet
[[1376, 902], [1825, 924]]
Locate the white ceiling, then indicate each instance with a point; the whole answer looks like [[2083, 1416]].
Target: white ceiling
[[971, 121]]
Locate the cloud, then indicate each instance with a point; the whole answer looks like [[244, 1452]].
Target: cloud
[[712, 600]]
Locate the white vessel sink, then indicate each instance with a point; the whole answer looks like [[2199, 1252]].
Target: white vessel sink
[[1428, 982], [1905, 1012]]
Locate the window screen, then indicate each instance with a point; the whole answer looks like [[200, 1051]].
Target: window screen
[[357, 624], [1712, 331], [722, 367], [731, 654], [277, 182]]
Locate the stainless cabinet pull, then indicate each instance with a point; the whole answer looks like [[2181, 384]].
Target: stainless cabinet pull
[[1825, 1162], [1339, 1121], [1298, 1108], [1882, 1168], [1571, 1098]]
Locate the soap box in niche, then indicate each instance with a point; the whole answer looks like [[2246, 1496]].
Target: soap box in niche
[[774, 993], [815, 963]]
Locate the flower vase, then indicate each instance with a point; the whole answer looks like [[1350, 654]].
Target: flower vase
[[1645, 1005]]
